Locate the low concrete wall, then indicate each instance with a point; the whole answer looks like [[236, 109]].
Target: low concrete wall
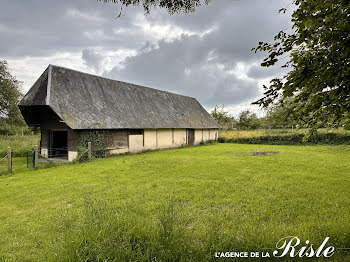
[[72, 155]]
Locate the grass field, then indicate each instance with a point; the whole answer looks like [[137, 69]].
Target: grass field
[[178, 204]]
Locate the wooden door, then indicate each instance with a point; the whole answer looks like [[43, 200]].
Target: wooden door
[[190, 137]]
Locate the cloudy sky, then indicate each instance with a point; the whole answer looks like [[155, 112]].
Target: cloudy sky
[[206, 54]]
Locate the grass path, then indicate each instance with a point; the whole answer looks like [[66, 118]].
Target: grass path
[[249, 201]]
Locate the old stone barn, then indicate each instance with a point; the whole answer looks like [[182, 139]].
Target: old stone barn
[[72, 107]]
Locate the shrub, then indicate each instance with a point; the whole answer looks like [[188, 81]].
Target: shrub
[[292, 139]]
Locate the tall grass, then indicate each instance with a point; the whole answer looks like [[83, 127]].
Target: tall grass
[[100, 230], [19, 144]]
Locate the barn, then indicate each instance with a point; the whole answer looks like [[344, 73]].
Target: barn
[[66, 103]]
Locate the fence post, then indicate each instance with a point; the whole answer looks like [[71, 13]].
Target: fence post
[[9, 160], [36, 156], [89, 151]]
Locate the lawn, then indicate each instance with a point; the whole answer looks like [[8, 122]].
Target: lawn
[[178, 204]]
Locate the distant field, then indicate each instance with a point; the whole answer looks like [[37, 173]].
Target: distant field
[[178, 204]]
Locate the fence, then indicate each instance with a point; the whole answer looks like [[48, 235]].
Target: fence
[[9, 160], [33, 157]]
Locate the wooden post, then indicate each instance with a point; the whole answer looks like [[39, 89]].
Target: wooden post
[[36, 156], [9, 160], [89, 151]]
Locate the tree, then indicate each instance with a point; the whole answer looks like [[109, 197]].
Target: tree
[[222, 117], [281, 114], [10, 116], [248, 120], [319, 50], [172, 6]]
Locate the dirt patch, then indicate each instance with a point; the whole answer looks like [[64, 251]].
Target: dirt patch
[[261, 153]]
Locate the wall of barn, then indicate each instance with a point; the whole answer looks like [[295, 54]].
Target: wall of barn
[[56, 125], [164, 138], [205, 134], [123, 140]]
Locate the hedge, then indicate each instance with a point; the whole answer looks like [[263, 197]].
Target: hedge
[[292, 139]]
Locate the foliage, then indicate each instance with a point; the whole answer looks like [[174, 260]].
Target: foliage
[[221, 116], [281, 114], [199, 199], [10, 116], [292, 139], [185, 6], [247, 120], [207, 142], [98, 143], [319, 49]]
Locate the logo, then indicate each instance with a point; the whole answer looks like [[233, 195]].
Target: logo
[[289, 246]]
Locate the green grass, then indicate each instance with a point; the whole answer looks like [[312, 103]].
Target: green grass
[[20, 144], [178, 204]]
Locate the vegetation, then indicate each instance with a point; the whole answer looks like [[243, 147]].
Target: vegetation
[[286, 136], [11, 119], [222, 117], [98, 143], [19, 144], [177, 204], [171, 6], [319, 78]]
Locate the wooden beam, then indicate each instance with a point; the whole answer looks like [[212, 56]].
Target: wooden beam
[[9, 160]]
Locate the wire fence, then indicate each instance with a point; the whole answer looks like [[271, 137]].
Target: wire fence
[[33, 159]]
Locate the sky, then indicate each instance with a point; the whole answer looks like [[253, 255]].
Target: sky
[[206, 54]]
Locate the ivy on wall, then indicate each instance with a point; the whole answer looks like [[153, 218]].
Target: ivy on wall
[[98, 143]]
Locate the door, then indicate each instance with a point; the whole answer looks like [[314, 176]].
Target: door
[[58, 143], [190, 137]]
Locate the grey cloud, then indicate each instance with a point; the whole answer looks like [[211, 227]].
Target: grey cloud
[[94, 60], [200, 66], [204, 67], [184, 66], [42, 28]]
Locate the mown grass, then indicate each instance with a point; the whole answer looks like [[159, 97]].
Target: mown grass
[[177, 204]]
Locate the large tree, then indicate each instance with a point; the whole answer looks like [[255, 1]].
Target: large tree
[[318, 45], [10, 117], [172, 6]]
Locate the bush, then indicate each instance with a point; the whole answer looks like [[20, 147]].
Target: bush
[[98, 143], [292, 139], [208, 142]]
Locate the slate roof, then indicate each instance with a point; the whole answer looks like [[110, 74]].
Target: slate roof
[[85, 101]]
